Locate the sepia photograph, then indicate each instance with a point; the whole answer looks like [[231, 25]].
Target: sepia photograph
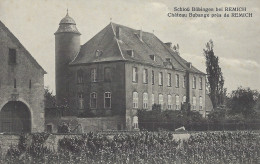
[[129, 82]]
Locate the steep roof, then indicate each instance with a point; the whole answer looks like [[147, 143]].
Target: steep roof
[[116, 48], [11, 35], [67, 24]]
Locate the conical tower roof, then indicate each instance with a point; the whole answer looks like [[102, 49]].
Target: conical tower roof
[[67, 24]]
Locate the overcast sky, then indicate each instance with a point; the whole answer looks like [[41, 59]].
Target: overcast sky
[[236, 40]]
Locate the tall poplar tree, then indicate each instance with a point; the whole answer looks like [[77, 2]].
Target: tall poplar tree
[[215, 77]]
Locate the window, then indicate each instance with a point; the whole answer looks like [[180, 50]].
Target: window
[[152, 77], [12, 56], [135, 100], [130, 53], [107, 74], [135, 122], [184, 82], [80, 76], [160, 78], [98, 53], [194, 103], [200, 81], [169, 98], [49, 128], [145, 76], [30, 84], [177, 99], [81, 100], [201, 103], [93, 100], [194, 82], [152, 97], [169, 82], [152, 57], [184, 99], [177, 83], [107, 99], [145, 100], [14, 83], [161, 100], [93, 75], [135, 74]]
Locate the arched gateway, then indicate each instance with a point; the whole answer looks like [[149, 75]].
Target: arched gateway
[[15, 117]]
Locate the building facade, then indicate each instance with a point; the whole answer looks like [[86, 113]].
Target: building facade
[[121, 70], [21, 87]]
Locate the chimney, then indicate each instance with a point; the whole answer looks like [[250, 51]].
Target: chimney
[[169, 44], [189, 64], [141, 35], [118, 32]]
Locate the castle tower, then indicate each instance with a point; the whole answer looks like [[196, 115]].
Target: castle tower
[[67, 46]]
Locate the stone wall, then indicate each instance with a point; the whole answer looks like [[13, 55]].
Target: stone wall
[[157, 89], [85, 125], [116, 86], [25, 69]]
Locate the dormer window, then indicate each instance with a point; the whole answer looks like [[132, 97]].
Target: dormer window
[[152, 57], [12, 56], [130, 53], [168, 59], [98, 53]]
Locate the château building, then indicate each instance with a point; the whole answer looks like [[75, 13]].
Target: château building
[[21, 87], [121, 70]]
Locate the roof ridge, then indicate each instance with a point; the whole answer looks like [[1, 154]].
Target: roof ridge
[[15, 39]]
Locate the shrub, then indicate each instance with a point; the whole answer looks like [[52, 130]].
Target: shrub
[[64, 128]]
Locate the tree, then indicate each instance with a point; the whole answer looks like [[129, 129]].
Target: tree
[[49, 98], [215, 77], [243, 101]]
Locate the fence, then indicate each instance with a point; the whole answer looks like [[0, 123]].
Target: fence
[[199, 126]]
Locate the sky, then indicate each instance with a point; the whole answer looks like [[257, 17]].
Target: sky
[[236, 40]]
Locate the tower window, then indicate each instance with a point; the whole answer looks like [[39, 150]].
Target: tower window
[[93, 100], [12, 56], [30, 84], [14, 83], [107, 99]]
